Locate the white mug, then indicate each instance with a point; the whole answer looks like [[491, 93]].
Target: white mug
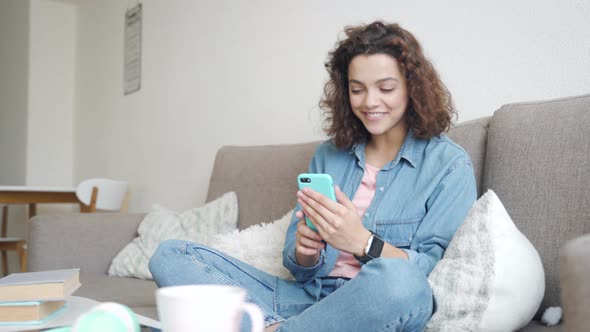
[[202, 308]]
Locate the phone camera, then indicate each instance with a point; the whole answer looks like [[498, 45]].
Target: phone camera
[[305, 180]]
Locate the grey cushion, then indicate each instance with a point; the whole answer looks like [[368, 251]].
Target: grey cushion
[[135, 293], [538, 164], [264, 177], [536, 326], [85, 240], [472, 136], [575, 282]]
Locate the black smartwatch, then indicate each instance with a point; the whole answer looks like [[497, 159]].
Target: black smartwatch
[[372, 250]]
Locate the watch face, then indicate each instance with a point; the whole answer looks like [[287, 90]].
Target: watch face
[[369, 243], [376, 247]]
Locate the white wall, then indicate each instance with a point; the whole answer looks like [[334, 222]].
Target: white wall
[[14, 48], [37, 92], [239, 72], [51, 94], [251, 72], [230, 72]]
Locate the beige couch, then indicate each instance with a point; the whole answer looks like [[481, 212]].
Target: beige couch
[[535, 156]]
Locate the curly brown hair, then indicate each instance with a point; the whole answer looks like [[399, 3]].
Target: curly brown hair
[[430, 110]]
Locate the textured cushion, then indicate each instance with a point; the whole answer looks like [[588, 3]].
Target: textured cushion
[[538, 162], [197, 225], [487, 266], [258, 245], [472, 136], [263, 177]]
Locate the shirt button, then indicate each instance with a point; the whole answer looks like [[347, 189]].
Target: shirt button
[[367, 214], [381, 188]]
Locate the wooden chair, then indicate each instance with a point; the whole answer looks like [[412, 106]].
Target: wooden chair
[[103, 194], [11, 243]]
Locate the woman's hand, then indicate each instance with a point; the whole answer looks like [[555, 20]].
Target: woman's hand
[[338, 223], [308, 243]]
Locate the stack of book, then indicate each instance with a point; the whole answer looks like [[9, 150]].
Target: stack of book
[[36, 297]]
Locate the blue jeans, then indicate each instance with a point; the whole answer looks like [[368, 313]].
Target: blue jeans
[[388, 294]]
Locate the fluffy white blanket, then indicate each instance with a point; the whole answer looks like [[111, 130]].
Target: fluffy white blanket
[[259, 245]]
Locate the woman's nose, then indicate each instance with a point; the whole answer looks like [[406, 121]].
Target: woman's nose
[[371, 99]]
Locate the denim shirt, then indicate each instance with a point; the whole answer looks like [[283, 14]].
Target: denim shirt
[[421, 198]]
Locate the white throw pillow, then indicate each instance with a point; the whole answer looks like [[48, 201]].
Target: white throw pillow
[[258, 245], [491, 277], [196, 225]]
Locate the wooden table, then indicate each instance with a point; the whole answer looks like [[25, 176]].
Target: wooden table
[[34, 195], [31, 196]]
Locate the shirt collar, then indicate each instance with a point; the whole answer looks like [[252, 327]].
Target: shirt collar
[[409, 151]]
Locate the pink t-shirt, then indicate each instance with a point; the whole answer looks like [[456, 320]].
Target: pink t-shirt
[[346, 265]]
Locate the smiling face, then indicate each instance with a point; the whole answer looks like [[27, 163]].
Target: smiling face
[[378, 94]]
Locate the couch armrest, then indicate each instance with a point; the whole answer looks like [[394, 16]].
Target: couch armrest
[[575, 288], [85, 240]]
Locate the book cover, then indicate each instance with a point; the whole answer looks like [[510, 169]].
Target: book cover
[[28, 311], [39, 286]]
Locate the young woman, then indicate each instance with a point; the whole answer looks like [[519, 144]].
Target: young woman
[[402, 188]]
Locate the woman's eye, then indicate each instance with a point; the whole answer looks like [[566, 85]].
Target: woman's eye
[[355, 91], [387, 90]]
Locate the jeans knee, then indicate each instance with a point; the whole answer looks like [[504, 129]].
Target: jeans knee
[[162, 255], [398, 283]]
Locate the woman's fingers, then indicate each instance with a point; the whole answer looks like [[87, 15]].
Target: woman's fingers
[[343, 199], [308, 241], [299, 214], [327, 204], [311, 244], [304, 231], [306, 251], [338, 223], [319, 220]]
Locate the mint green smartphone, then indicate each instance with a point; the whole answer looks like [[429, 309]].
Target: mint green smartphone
[[319, 182]]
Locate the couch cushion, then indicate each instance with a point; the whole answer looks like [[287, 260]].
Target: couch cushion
[[135, 293], [264, 177], [472, 136], [535, 326], [574, 268], [487, 265], [193, 225], [538, 164], [54, 239]]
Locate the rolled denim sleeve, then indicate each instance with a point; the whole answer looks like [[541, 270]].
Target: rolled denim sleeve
[[447, 208]]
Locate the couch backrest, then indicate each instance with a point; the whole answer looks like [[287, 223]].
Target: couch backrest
[[264, 176], [472, 136], [538, 163]]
